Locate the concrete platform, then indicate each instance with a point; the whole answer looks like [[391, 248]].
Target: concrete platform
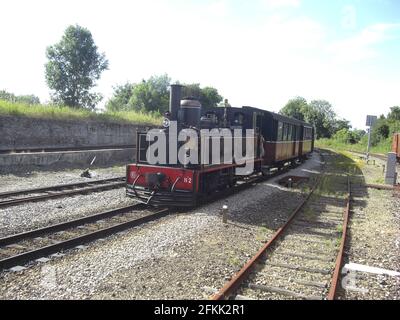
[[65, 159]]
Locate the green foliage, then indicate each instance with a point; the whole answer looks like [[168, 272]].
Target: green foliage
[[318, 113], [340, 124], [208, 96], [380, 131], [357, 140], [295, 108], [27, 99], [153, 95], [384, 128], [74, 66], [67, 113], [343, 135], [394, 113], [120, 99], [348, 136], [382, 147]]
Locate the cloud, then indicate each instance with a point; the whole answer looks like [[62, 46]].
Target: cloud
[[349, 17], [363, 45]]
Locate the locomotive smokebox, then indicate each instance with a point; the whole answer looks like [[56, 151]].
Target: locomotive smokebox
[[174, 101], [190, 112]]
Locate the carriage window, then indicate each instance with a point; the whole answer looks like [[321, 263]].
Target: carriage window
[[280, 131], [284, 132], [289, 132], [307, 133]]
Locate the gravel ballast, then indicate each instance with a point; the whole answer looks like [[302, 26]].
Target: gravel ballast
[[37, 179], [187, 255], [24, 217], [180, 256], [374, 238]]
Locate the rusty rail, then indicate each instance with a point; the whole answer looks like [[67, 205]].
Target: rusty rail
[[238, 278], [383, 187], [339, 258]]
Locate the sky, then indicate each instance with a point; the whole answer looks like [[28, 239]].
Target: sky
[[258, 53]]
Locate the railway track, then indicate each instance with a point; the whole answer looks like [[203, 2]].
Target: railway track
[[65, 149], [374, 155], [302, 259], [24, 247], [18, 249], [58, 191], [27, 246]]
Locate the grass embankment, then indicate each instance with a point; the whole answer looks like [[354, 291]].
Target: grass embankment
[[382, 147], [66, 113]]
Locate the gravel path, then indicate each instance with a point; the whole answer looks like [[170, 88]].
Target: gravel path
[[180, 256]]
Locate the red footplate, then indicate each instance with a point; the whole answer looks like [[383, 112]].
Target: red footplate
[[161, 185]]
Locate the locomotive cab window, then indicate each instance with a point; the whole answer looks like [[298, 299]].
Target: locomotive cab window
[[238, 119], [211, 116], [143, 145]]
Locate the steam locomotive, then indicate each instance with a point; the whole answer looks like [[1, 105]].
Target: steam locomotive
[[275, 140]]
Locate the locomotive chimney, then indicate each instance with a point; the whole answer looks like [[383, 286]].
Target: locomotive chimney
[[175, 101]]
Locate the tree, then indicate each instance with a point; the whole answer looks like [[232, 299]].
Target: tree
[[341, 124], [295, 108], [121, 97], [380, 131], [74, 66], [4, 95], [26, 99], [208, 96], [357, 135], [320, 113], [151, 95], [394, 113]]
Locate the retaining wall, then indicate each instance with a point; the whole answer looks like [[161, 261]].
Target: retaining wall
[[23, 133], [18, 133]]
